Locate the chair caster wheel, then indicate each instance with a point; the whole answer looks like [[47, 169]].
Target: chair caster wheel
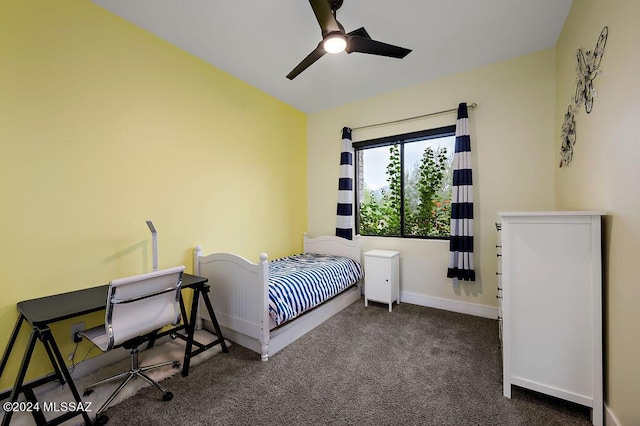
[[176, 364], [102, 419], [168, 396], [174, 336]]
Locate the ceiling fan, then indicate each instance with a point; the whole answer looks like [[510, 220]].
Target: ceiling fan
[[335, 40]]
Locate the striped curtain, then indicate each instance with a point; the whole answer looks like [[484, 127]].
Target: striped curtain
[[344, 225], [461, 243]]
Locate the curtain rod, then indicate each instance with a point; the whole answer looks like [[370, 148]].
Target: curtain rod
[[446, 111]]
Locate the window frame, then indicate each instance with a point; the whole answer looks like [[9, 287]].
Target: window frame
[[401, 140]]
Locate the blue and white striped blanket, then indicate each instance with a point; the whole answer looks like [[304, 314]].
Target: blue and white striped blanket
[[300, 282]]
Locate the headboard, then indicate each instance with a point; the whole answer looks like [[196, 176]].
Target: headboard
[[337, 246]]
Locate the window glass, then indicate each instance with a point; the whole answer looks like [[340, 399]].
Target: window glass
[[404, 185]]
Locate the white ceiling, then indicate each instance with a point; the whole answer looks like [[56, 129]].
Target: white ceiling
[[261, 41]]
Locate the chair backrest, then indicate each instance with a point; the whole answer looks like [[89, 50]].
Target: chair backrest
[[138, 305]]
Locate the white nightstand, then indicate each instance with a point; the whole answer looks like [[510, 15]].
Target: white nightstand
[[382, 276]]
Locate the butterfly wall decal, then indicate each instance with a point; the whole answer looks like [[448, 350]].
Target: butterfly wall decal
[[588, 69], [568, 135]]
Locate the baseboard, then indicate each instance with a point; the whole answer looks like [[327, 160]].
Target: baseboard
[[450, 305], [609, 418]]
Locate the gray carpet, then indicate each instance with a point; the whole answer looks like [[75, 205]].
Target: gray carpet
[[364, 366]]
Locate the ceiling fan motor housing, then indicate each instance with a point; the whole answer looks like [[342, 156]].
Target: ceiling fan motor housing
[[335, 4]]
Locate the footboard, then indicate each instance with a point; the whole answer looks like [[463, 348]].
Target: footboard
[[239, 293]]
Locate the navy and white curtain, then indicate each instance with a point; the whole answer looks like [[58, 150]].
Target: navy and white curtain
[[344, 225], [461, 243]]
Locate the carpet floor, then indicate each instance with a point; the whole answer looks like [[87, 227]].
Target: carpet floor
[[414, 366], [171, 350]]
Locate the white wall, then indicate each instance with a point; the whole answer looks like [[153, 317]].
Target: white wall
[[512, 135]]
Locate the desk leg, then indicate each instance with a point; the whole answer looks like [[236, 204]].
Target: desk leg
[[12, 341], [38, 416], [216, 326], [183, 310], [46, 339], [17, 387], [45, 336], [191, 330], [58, 357]]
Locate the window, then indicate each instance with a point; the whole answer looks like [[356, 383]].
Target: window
[[404, 184]]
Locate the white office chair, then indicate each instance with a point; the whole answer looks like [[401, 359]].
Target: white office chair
[[137, 307]]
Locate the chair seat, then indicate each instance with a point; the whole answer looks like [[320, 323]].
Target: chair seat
[[97, 335]]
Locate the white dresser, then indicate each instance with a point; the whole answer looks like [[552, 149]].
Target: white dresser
[[382, 276], [551, 288]]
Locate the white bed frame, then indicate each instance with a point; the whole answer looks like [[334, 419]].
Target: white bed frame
[[240, 296]]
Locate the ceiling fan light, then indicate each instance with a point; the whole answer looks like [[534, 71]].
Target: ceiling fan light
[[334, 43]]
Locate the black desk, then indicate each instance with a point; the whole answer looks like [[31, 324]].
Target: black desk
[[42, 312]]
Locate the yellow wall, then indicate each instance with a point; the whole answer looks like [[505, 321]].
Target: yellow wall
[[512, 134], [604, 175], [103, 126]]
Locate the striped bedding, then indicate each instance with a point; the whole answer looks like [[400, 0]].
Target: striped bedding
[[300, 282]]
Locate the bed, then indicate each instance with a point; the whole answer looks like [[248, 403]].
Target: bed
[[240, 293]]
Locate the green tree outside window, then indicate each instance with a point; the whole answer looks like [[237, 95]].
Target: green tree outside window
[[416, 202]]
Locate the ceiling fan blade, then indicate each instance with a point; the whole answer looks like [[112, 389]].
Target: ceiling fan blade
[[306, 62], [324, 15], [360, 32], [359, 44]]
